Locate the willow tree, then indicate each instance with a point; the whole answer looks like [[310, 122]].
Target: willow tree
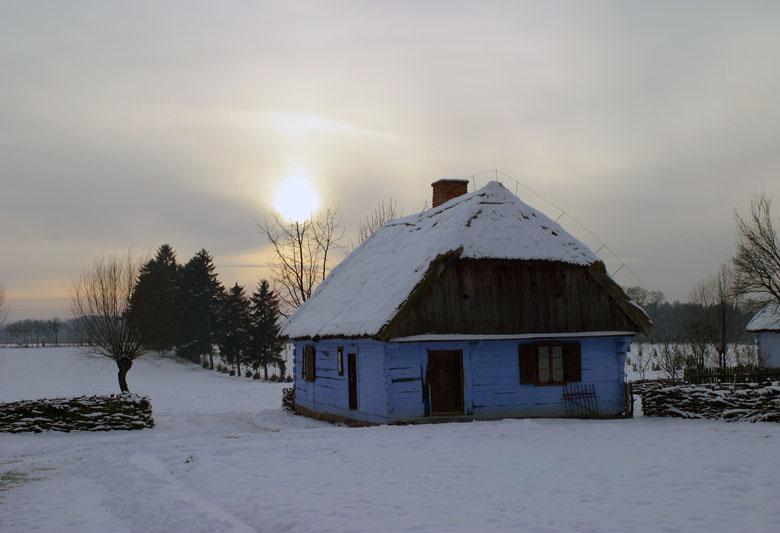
[[100, 300]]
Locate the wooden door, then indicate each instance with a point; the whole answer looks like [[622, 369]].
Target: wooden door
[[445, 382], [352, 379]]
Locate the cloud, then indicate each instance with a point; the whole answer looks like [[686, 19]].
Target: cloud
[[137, 124]]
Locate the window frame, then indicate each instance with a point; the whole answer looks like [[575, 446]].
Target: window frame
[[551, 346], [529, 353], [340, 360], [309, 363]]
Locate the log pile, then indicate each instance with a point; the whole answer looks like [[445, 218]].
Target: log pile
[[288, 399], [642, 387], [85, 413], [752, 402]]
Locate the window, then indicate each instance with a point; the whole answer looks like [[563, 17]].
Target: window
[[309, 363], [340, 360], [550, 363]]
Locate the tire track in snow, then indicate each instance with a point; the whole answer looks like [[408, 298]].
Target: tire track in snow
[[166, 484]]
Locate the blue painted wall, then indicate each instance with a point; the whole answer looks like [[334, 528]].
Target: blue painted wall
[[329, 393], [391, 379], [769, 348]]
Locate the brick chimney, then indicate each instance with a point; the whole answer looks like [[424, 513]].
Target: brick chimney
[[447, 189]]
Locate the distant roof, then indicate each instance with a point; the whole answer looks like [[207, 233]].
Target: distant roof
[[768, 319], [366, 290]]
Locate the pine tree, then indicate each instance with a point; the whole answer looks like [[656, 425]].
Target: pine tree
[[234, 340], [264, 332], [155, 304], [201, 297]]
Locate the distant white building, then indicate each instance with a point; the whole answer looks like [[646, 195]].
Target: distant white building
[[766, 326]]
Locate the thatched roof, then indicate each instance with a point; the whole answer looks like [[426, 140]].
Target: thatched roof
[[768, 319], [366, 291]]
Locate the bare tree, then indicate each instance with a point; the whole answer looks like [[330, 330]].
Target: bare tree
[[757, 260], [644, 297], [327, 232], [303, 253], [3, 307], [99, 299], [714, 324], [382, 214], [671, 359], [55, 325], [643, 361]]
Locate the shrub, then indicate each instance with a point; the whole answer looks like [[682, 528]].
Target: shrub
[[256, 375], [232, 372], [204, 364], [248, 374], [289, 379]]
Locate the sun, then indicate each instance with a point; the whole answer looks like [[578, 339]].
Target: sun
[[296, 198]]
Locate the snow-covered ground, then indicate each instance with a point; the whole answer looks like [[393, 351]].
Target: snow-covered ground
[[224, 457]]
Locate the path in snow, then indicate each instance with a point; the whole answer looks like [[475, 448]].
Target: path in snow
[[224, 457]]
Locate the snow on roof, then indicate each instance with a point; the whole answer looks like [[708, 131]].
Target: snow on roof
[[366, 290], [768, 319]]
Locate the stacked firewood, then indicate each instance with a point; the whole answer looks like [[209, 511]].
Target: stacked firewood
[[288, 399], [85, 413], [750, 402]]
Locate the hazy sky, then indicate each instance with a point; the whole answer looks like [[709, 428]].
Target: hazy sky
[[136, 123]]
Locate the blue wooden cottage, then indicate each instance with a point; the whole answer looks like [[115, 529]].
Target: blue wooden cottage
[[480, 307], [766, 326]]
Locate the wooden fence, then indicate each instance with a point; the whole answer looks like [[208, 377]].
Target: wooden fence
[[738, 374]]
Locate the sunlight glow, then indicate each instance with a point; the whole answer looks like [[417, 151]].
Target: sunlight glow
[[296, 199]]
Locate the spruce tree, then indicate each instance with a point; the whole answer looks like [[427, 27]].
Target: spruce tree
[[155, 305], [234, 337], [201, 297], [266, 346]]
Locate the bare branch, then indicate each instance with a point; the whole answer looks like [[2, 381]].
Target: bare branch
[[304, 253], [383, 213], [714, 324], [99, 300], [643, 297], [757, 260]]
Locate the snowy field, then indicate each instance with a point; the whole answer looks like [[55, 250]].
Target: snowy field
[[224, 457]]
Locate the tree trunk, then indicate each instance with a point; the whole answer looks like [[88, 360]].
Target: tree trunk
[[211, 362], [124, 366], [265, 372]]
